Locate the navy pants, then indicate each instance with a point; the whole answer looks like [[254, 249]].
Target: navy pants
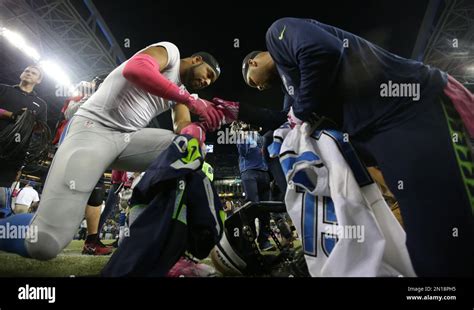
[[257, 188], [428, 166]]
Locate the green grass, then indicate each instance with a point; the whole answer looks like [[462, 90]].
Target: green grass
[[69, 263]]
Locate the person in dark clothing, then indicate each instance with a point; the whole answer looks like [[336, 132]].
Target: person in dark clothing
[[411, 120], [256, 180], [14, 100]]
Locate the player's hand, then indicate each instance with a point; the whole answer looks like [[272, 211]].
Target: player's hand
[[292, 119], [229, 109], [206, 111], [15, 116], [195, 130]]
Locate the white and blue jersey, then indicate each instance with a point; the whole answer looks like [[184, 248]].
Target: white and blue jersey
[[345, 225]]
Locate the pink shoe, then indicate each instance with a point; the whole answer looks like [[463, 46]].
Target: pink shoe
[[187, 267]]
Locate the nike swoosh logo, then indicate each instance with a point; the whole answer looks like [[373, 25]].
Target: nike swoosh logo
[[281, 34], [193, 150]]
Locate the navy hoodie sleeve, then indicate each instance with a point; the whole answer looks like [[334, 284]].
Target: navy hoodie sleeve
[[313, 51]]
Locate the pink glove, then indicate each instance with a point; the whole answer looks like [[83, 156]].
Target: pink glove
[[292, 119], [206, 111], [195, 130], [230, 109]]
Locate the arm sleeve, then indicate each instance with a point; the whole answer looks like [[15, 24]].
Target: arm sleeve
[[314, 51], [43, 115], [287, 103], [144, 72]]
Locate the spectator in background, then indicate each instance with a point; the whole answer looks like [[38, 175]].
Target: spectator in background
[[83, 230], [34, 207], [14, 100], [255, 180], [120, 180], [26, 196]]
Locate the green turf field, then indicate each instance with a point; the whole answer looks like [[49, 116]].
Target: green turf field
[[69, 263]]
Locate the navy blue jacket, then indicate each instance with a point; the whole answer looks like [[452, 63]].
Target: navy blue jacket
[[182, 215], [339, 75], [251, 154]]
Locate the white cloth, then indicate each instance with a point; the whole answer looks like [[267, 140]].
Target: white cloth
[[84, 224], [119, 104], [346, 227], [26, 196], [137, 180]]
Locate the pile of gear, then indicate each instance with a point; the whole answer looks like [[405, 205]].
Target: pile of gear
[[237, 253]]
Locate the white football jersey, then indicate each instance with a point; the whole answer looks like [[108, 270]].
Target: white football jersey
[[347, 229], [121, 105]]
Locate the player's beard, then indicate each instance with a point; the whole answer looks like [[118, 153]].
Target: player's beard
[[190, 76]]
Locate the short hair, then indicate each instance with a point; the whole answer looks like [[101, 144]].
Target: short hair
[[245, 64], [211, 61]]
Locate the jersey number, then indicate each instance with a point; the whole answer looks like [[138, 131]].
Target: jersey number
[[312, 225]]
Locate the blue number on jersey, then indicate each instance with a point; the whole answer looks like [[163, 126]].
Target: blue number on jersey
[[310, 225]]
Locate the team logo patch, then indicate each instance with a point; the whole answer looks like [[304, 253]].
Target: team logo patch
[[181, 143]]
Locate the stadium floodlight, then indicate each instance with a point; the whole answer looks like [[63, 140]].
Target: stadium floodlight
[[49, 67], [56, 73], [19, 42]]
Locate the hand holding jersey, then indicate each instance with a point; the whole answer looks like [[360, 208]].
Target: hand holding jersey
[[109, 131], [292, 119], [229, 109], [195, 130], [143, 71], [206, 111], [317, 74]]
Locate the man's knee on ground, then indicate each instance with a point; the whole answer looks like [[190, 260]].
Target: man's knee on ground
[[43, 247]]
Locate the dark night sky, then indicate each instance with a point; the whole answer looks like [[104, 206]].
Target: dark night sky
[[200, 26], [194, 27], [197, 26]]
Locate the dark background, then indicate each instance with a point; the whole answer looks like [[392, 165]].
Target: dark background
[[206, 26], [213, 28]]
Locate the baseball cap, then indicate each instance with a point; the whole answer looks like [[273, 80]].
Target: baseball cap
[[245, 64], [211, 61]]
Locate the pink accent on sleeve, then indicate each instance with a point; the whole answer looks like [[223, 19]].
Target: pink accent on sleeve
[[144, 72], [463, 101]]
